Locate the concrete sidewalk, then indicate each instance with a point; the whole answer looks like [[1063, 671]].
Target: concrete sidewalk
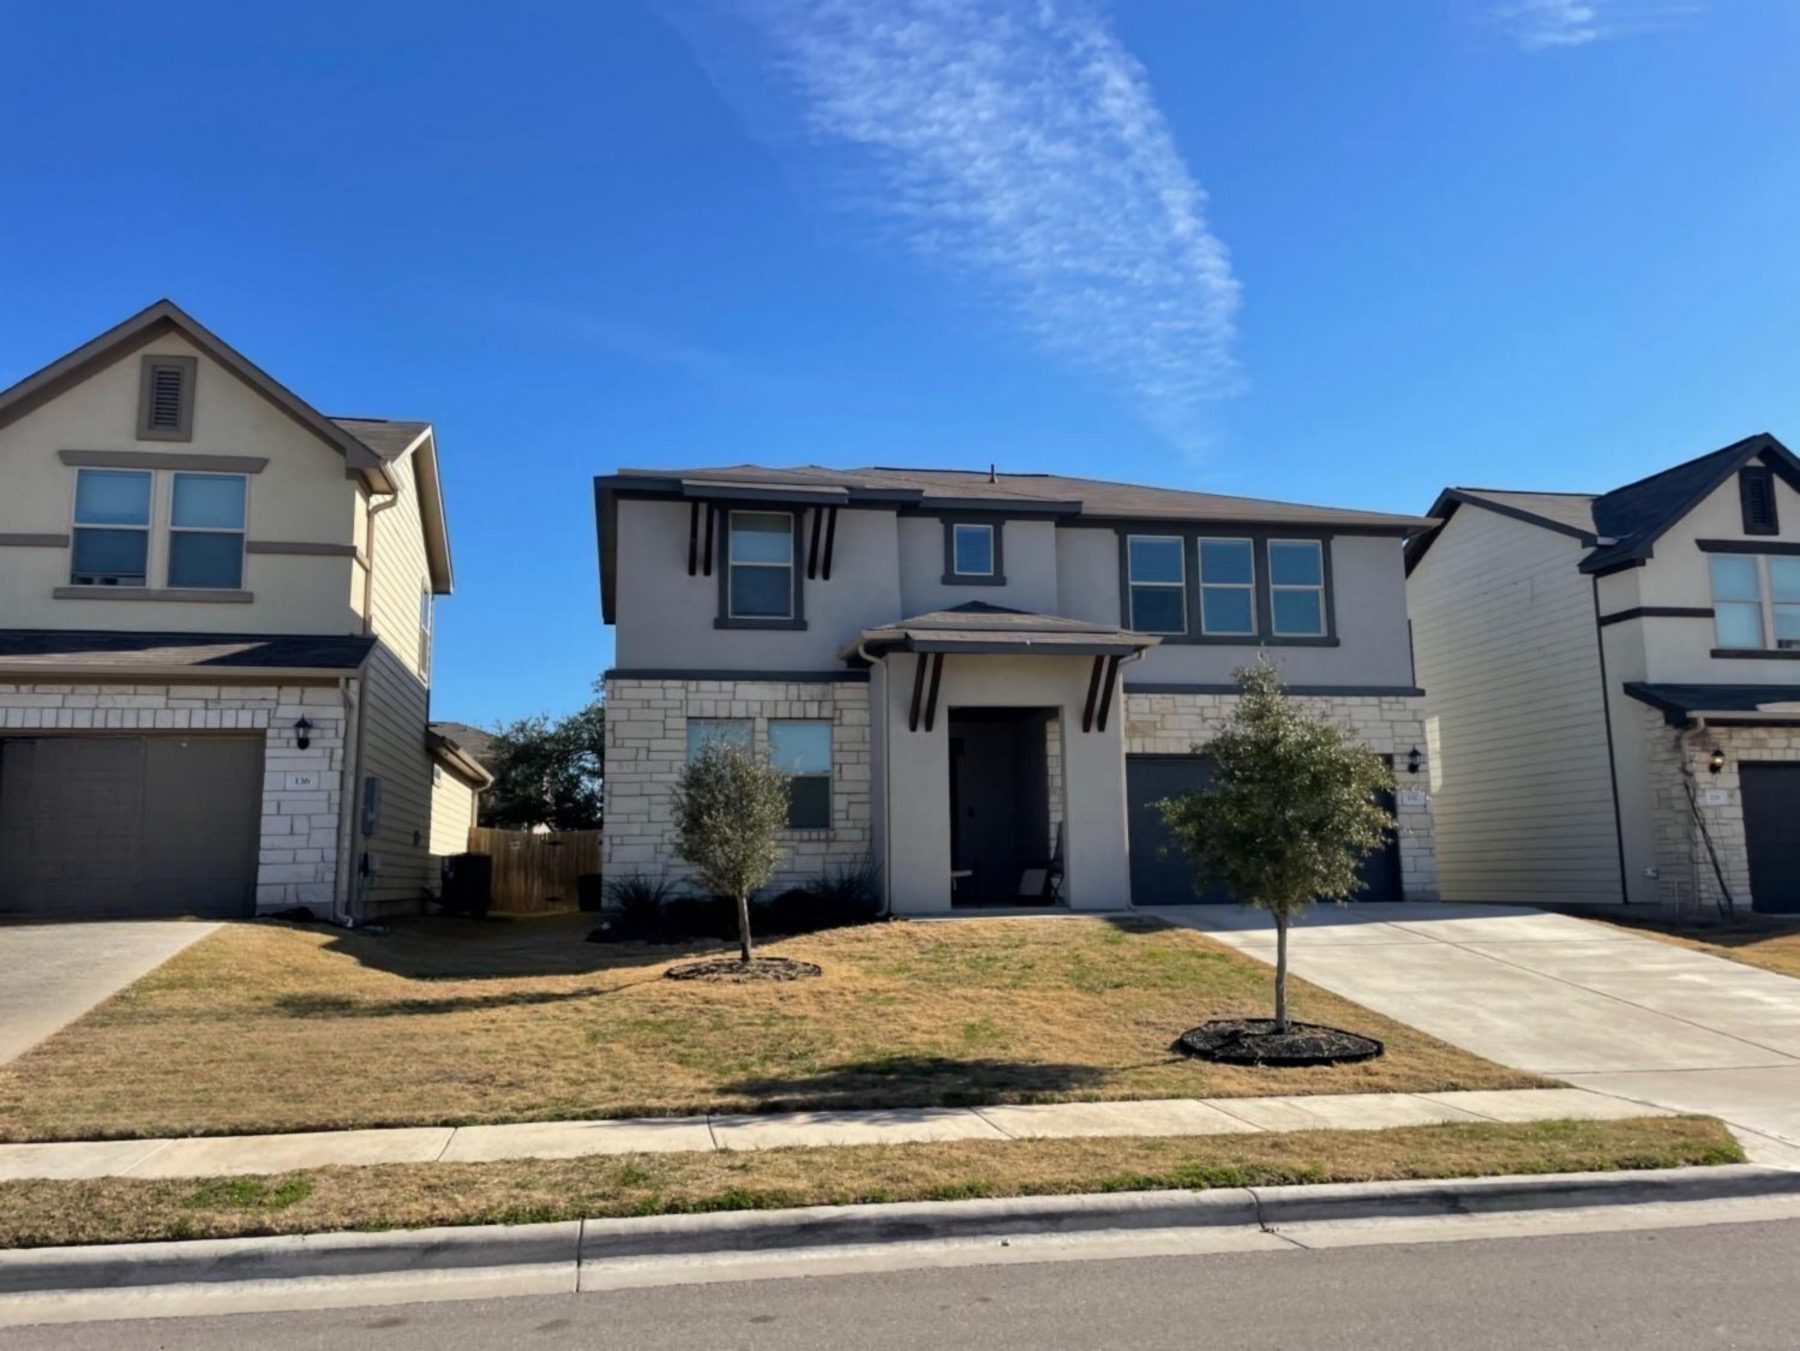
[[1571, 999], [218, 1156]]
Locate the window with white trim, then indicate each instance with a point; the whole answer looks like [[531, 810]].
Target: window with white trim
[[426, 608], [1756, 601], [1297, 588], [206, 531], [972, 550], [801, 749], [1156, 583], [111, 528], [1227, 587], [760, 561]]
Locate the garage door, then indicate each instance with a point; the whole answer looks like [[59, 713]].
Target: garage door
[[1160, 875], [129, 825], [1771, 809]]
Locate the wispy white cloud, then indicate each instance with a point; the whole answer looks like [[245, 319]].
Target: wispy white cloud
[[1020, 142], [1545, 25]]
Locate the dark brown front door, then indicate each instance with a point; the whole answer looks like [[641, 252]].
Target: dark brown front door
[[1771, 815]]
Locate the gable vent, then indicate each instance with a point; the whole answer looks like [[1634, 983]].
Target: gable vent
[[1756, 491], [165, 398]]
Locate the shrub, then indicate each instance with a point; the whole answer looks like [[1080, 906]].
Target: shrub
[[634, 905]]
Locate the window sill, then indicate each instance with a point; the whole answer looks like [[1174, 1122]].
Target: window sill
[[184, 595], [1241, 640], [1758, 653], [790, 625], [966, 579], [807, 832]]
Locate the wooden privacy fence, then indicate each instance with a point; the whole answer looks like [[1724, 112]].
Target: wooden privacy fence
[[534, 874]]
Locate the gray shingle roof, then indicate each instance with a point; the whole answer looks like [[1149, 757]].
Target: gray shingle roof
[[389, 438], [1575, 510], [108, 650], [473, 740], [979, 626], [1679, 702]]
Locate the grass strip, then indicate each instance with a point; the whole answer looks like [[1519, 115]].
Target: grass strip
[[120, 1210]]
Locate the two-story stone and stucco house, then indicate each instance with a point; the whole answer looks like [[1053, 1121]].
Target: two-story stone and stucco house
[[215, 641], [981, 682], [1613, 700]]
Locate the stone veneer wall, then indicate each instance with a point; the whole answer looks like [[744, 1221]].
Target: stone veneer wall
[[1686, 882], [1174, 724], [646, 746], [297, 863]]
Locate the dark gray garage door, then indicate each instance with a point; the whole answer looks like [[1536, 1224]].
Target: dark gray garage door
[[129, 825], [1161, 876], [1771, 816]]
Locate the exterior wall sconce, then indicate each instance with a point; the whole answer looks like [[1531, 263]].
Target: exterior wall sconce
[[303, 733], [1716, 763], [1413, 759]]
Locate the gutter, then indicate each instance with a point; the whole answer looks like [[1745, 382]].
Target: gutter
[[350, 687], [887, 798]]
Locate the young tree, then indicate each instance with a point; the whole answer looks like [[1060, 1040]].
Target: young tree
[[730, 807], [1291, 811], [547, 772]]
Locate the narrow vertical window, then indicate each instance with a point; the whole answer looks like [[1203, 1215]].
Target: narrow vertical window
[[112, 528], [206, 531], [761, 563], [1756, 493], [1784, 601], [1737, 600], [425, 618], [166, 398], [1157, 586], [802, 751], [1227, 587], [1297, 588]]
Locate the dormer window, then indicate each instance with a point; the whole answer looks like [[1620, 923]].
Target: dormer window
[[972, 554], [166, 398]]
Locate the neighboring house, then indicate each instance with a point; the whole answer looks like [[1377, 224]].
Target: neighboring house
[[982, 682], [1612, 686], [215, 639], [458, 776]]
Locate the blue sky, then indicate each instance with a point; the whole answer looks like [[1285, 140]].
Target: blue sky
[[1332, 252]]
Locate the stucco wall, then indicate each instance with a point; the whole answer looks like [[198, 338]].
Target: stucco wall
[[646, 747], [301, 789], [1179, 724], [302, 496], [1028, 558]]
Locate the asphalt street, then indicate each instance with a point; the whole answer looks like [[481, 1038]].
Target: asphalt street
[[1720, 1286]]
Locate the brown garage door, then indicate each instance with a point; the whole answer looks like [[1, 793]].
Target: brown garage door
[[129, 825]]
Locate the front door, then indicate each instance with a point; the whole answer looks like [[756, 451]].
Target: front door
[[999, 804], [1771, 810]]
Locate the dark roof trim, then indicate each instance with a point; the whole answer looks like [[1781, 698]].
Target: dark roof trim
[[96, 652], [1451, 498], [737, 492], [1307, 691], [1022, 646], [454, 757], [1679, 704], [1746, 546], [1656, 612], [847, 677]]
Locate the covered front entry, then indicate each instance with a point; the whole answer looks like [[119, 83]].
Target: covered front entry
[[1160, 875], [129, 825], [1771, 811], [1001, 844]]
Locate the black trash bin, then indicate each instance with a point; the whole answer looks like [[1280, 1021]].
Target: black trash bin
[[468, 884]]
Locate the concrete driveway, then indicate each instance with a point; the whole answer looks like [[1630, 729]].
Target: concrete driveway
[[1568, 998], [54, 973]]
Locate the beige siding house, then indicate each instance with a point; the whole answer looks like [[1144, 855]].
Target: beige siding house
[[1611, 697], [215, 608], [980, 683]]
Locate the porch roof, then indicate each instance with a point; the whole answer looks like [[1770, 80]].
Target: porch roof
[[1680, 703], [978, 627]]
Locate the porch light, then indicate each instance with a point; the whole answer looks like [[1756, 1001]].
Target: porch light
[[303, 733], [1717, 762], [1413, 760]]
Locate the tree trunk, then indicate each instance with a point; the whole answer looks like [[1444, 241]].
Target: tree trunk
[[743, 907], [1281, 928]]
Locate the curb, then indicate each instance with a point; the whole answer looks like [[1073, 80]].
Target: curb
[[555, 1255]]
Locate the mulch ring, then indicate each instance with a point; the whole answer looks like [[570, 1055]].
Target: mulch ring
[[1254, 1041], [731, 971]]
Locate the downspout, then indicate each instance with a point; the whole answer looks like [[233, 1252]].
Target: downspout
[[1727, 904], [350, 689], [356, 877], [887, 797]]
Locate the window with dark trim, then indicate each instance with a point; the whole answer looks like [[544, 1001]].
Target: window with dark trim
[[166, 398], [759, 564], [111, 535], [1227, 587], [801, 749], [1756, 601], [1756, 494], [1157, 582], [972, 549], [1297, 588]]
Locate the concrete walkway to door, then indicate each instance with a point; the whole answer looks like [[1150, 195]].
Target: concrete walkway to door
[[54, 973], [1576, 1000]]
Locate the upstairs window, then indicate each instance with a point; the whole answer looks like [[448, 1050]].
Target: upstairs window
[[802, 751], [1750, 612], [112, 528], [761, 565], [1756, 494], [206, 531], [1156, 582], [166, 399], [1297, 588], [972, 551], [1227, 587], [1784, 601]]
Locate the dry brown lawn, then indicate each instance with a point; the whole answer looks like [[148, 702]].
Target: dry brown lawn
[[267, 1027], [1767, 942], [402, 1196]]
